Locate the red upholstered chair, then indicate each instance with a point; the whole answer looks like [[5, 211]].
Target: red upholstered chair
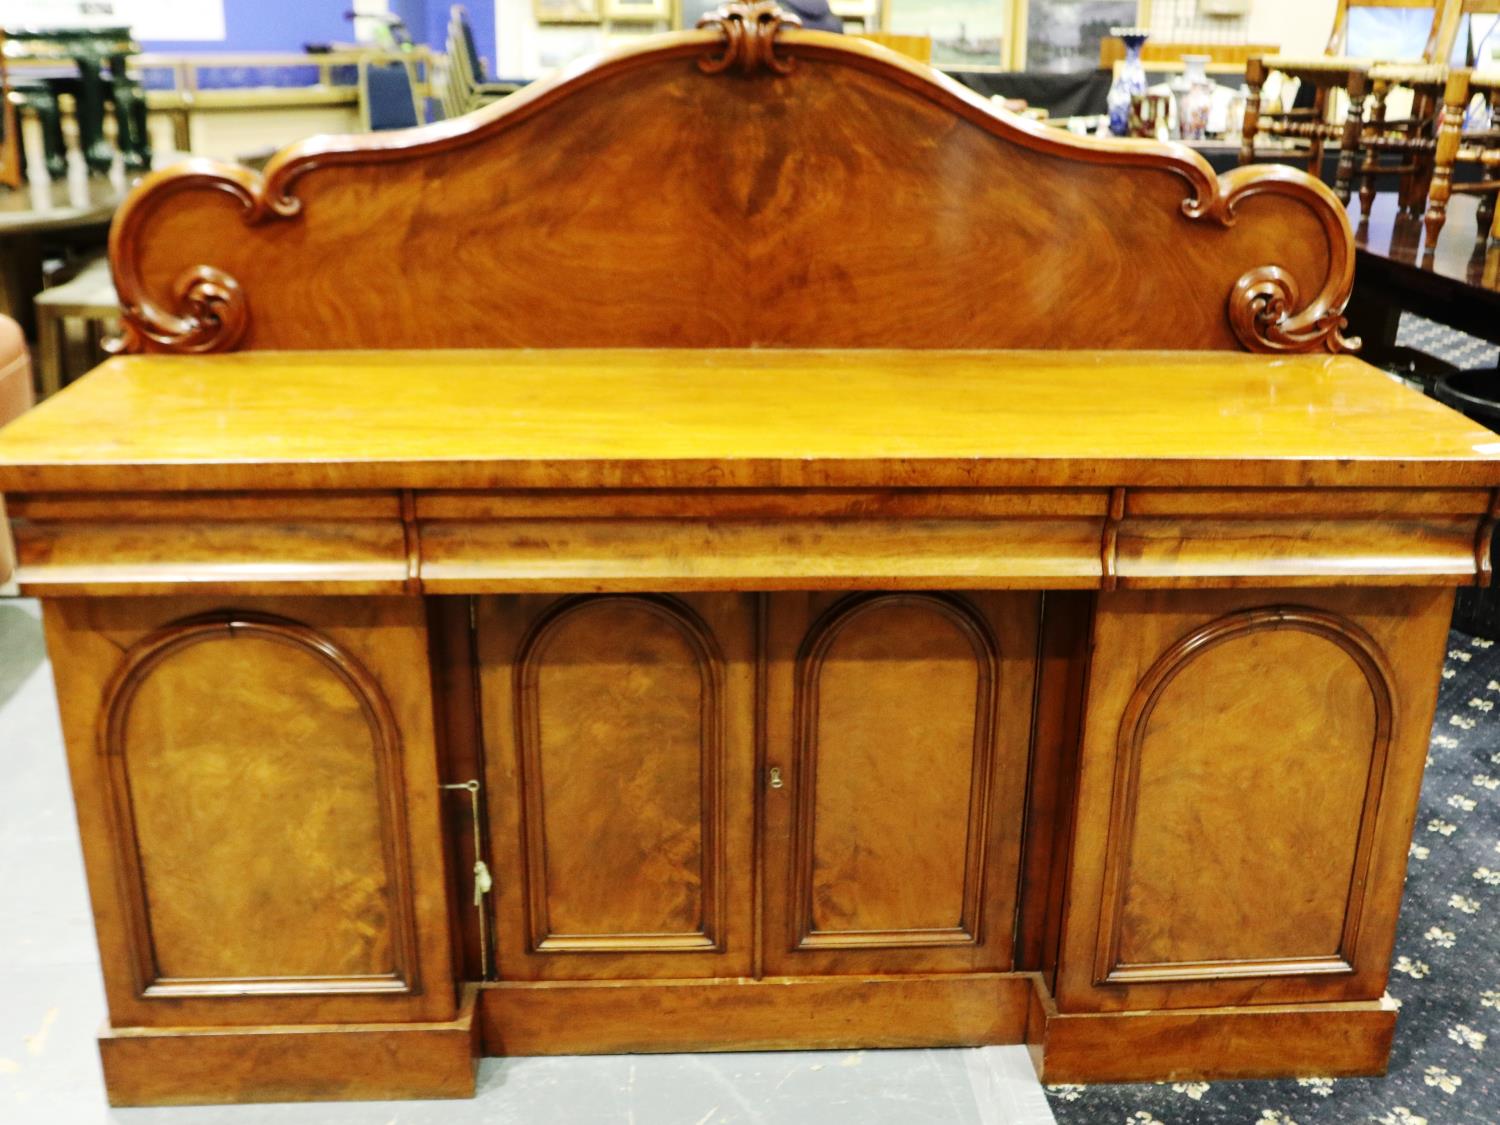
[[16, 396]]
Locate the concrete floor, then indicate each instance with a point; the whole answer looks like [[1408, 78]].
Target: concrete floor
[[52, 1004]]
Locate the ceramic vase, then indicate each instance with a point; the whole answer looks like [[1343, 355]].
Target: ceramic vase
[[1194, 95], [1131, 80]]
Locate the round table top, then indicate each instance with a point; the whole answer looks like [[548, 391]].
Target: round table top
[[43, 205]]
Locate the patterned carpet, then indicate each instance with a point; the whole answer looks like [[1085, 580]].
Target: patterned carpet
[[1445, 1066]]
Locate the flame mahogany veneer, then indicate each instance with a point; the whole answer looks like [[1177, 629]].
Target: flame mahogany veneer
[[833, 674]]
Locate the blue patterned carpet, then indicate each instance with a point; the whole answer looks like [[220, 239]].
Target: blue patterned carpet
[[1445, 1066]]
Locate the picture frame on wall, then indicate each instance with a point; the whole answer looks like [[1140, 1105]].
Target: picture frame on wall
[[638, 11], [689, 12], [965, 34], [566, 11]]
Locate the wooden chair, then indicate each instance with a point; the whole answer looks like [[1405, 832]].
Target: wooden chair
[[1437, 92], [1480, 147], [1335, 71], [90, 297]]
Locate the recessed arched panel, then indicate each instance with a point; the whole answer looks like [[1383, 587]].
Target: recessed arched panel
[[895, 728], [620, 725], [1225, 725], [215, 727]]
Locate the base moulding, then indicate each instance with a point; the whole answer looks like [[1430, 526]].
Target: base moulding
[[219, 1065]]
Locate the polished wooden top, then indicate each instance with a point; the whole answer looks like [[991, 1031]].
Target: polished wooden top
[[1458, 257], [647, 418]]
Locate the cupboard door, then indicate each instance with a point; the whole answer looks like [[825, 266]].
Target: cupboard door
[[257, 789], [620, 739], [1250, 768], [897, 730]]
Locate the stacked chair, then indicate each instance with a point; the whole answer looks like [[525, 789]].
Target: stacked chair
[[1440, 93], [1357, 78], [466, 87]]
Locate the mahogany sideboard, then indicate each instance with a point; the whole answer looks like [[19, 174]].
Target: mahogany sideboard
[[625, 586]]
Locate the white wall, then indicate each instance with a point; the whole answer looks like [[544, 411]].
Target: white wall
[[1299, 27]]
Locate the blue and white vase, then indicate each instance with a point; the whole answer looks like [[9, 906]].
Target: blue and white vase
[[1129, 82]]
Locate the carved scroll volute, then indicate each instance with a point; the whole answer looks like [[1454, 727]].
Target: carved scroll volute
[[750, 32], [1265, 306], [208, 309], [209, 314]]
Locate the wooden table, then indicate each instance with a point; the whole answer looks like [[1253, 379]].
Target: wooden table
[[1117, 709], [1456, 282]]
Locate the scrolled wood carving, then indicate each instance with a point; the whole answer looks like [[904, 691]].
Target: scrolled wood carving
[[1274, 277], [209, 311], [750, 32], [1265, 307], [210, 314]]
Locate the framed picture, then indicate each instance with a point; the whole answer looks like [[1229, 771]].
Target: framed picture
[[638, 11], [565, 11], [965, 33], [689, 12]]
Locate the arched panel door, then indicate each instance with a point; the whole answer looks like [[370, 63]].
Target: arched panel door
[[619, 737], [898, 726], [1251, 761], [258, 788]]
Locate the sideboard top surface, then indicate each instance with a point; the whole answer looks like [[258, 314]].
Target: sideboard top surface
[[764, 418]]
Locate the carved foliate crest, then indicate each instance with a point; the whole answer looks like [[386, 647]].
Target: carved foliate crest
[[750, 32], [1276, 298]]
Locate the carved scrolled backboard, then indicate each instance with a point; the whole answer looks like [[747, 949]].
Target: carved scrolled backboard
[[745, 184]]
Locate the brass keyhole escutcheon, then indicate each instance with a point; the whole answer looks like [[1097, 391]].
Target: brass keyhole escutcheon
[[776, 782]]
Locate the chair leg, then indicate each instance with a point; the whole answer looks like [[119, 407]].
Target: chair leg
[[1354, 122], [1370, 165], [50, 344], [1445, 153], [1315, 144], [1255, 78]]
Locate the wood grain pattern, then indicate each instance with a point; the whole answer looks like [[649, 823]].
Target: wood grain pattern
[[204, 918], [627, 693], [1243, 839], [620, 739], [736, 1014], [299, 731], [1182, 783], [154, 543], [868, 871], [1057, 718], [748, 539], [329, 1062], [829, 182], [748, 419], [899, 724], [789, 554], [1271, 1041]]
